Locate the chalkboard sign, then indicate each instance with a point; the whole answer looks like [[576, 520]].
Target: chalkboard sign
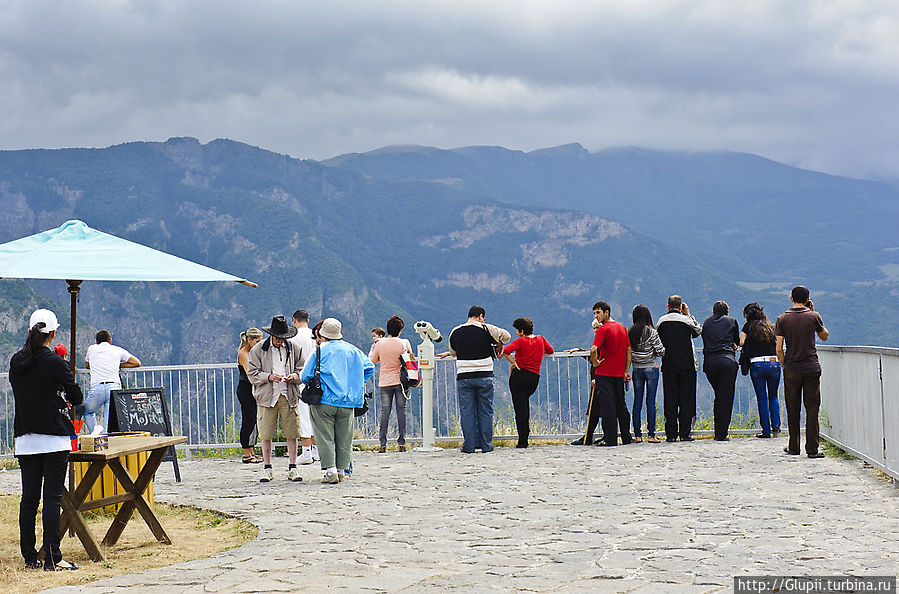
[[142, 409]]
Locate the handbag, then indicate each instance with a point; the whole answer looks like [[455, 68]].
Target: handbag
[[312, 391], [358, 412], [410, 376]]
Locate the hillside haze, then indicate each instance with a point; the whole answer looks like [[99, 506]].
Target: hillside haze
[[426, 233]]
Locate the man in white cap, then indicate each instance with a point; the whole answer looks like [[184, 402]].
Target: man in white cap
[[104, 360], [274, 368], [344, 369]]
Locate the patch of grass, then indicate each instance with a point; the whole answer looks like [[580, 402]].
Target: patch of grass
[[833, 451], [195, 533]]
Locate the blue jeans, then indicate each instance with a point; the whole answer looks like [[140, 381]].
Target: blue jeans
[[645, 378], [97, 396], [765, 378], [476, 412]]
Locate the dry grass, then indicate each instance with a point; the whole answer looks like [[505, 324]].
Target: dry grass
[[194, 533]]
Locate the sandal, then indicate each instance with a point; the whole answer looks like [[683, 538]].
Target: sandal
[[251, 459], [638, 440], [652, 440], [61, 565]]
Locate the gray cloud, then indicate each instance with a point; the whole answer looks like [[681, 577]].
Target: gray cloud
[[810, 83]]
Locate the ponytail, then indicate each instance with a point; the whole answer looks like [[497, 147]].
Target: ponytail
[[247, 335], [35, 340]]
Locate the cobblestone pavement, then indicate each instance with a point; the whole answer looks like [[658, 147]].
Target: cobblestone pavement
[[682, 517]]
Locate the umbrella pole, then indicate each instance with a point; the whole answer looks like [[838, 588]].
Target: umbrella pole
[[74, 288]]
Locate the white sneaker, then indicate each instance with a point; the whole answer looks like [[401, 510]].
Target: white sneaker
[[330, 478], [305, 458], [267, 475], [315, 456], [294, 475]]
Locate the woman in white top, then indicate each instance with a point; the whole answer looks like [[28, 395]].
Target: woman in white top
[[43, 431], [387, 351]]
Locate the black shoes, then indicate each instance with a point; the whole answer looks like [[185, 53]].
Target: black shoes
[[670, 439], [762, 436], [688, 438], [580, 441], [33, 564], [787, 451], [816, 455], [603, 444], [521, 445]]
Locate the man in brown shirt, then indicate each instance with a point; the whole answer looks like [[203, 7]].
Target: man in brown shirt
[[802, 373]]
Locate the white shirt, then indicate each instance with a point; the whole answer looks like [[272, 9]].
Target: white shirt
[[105, 359], [279, 367], [304, 341], [38, 443]]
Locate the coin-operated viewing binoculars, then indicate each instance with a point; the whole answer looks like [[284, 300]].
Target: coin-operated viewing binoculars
[[429, 335]]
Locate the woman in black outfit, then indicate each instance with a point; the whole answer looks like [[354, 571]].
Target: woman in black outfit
[[248, 340], [43, 430], [720, 337]]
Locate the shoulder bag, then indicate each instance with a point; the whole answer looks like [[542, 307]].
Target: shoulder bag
[[312, 391]]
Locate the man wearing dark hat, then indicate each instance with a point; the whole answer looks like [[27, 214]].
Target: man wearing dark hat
[[274, 368]]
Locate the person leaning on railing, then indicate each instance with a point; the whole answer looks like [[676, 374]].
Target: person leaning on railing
[[248, 431], [524, 375], [43, 431]]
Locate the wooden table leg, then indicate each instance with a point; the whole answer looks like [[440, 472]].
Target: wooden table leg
[[94, 470], [77, 523], [137, 488]]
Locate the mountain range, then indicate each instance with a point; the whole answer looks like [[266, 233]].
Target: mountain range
[[426, 233]]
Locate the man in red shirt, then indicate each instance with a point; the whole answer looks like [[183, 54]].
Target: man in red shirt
[[611, 359]]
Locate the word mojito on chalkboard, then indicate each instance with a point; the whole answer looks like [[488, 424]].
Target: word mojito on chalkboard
[[142, 409]]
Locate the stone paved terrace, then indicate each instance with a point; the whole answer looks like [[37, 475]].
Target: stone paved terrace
[[682, 517]]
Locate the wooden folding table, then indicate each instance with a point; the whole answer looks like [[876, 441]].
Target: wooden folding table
[[73, 503]]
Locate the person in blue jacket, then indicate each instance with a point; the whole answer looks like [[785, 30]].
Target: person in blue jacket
[[344, 370]]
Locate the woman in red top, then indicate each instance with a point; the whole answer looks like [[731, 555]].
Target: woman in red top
[[525, 372]]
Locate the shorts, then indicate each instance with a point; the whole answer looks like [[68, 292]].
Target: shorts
[[267, 420], [305, 420]]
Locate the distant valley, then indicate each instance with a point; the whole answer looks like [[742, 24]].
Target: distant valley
[[426, 232]]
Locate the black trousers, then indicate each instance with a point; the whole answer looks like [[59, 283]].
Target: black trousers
[[722, 375], [522, 384], [248, 432], [679, 389], [613, 408], [49, 469]]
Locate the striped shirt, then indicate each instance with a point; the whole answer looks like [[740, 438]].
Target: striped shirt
[[472, 345], [646, 353]]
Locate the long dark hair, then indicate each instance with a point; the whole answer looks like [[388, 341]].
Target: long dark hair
[[642, 323], [34, 341], [759, 328]]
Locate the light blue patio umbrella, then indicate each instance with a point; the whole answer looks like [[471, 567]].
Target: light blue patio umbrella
[[74, 252]]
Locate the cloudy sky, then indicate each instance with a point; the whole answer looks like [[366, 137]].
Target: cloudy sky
[[809, 83]]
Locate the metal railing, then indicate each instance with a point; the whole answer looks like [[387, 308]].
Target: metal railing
[[860, 403], [860, 407]]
